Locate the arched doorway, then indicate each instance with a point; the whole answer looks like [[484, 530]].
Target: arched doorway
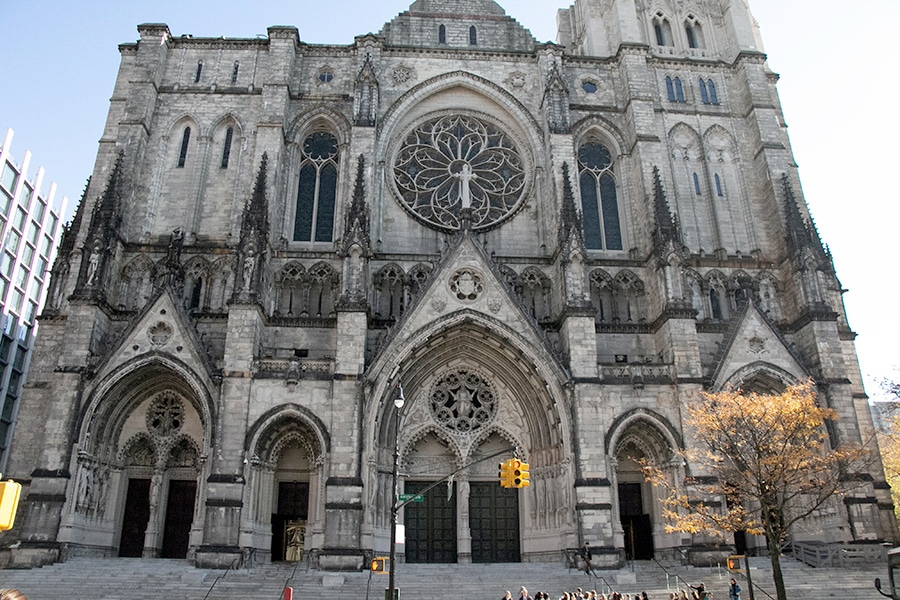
[[636, 438], [286, 458], [160, 468]]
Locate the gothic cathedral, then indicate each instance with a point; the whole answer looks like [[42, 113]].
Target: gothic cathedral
[[546, 246]]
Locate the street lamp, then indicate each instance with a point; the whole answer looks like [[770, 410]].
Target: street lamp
[[399, 401]]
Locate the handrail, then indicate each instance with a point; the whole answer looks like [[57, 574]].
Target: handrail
[[228, 570], [675, 575], [294, 572], [603, 579]]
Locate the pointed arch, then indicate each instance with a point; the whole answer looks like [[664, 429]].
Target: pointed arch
[[196, 283], [289, 290], [389, 300], [603, 296], [137, 282]]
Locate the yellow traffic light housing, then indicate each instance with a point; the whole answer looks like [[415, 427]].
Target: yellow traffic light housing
[[734, 562], [519, 474], [9, 502], [379, 564], [506, 474]]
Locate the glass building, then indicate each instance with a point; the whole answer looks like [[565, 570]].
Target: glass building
[[30, 223]]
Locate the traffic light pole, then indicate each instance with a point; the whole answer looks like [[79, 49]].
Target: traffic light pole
[[452, 475]]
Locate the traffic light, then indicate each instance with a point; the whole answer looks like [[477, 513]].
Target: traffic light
[[523, 476], [9, 501], [734, 562], [520, 475], [379, 564], [506, 474]]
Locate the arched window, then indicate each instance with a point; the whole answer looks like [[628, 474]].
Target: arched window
[[708, 91], [442, 34], [718, 185], [185, 140], [697, 185], [226, 148], [199, 71], [679, 90], [715, 303], [317, 189], [662, 30], [234, 72], [599, 201], [473, 36], [670, 89], [694, 32]]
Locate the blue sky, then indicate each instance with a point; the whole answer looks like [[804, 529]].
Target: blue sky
[[838, 88]]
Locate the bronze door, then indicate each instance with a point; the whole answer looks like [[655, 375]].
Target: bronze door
[[137, 514], [430, 525], [494, 522], [179, 517]]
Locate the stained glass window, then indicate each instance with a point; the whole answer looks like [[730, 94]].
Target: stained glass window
[[317, 189], [599, 198]]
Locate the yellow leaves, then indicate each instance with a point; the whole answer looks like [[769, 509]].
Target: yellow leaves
[[761, 463]]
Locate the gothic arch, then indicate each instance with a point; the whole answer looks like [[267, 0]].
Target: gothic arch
[[265, 437], [121, 391], [600, 129], [508, 108], [136, 283], [320, 118], [657, 434], [760, 377]]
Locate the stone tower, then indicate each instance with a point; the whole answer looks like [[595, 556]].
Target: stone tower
[[550, 246]]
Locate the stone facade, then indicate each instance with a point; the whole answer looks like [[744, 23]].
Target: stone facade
[[550, 247]]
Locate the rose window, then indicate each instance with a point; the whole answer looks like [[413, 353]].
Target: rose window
[[462, 401], [454, 163], [165, 415]]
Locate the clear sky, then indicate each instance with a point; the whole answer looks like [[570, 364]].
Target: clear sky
[[59, 58]]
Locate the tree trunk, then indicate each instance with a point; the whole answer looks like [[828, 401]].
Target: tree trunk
[[773, 541]]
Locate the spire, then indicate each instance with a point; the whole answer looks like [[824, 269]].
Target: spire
[[251, 251], [569, 218], [801, 233], [556, 102], [366, 100], [356, 227], [98, 248], [668, 230]]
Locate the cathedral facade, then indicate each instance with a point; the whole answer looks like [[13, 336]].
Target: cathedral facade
[[548, 247]]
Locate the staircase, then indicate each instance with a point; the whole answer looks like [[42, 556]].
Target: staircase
[[140, 579]]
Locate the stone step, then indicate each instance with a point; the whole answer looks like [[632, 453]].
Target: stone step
[[140, 579]]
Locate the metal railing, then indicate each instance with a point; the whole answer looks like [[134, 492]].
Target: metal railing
[[836, 555], [222, 576]]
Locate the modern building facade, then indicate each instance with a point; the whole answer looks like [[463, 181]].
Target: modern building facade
[[550, 246], [30, 221]]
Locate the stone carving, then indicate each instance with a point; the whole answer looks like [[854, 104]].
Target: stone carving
[[463, 402], [165, 415], [455, 163], [467, 284], [160, 334], [401, 75]]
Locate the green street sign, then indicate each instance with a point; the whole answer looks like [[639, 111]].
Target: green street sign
[[412, 497]]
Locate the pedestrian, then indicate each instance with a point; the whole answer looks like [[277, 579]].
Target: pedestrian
[[507, 596], [734, 590], [586, 557], [11, 594], [700, 592], [523, 594]]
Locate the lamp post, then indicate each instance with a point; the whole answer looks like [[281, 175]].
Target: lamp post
[[399, 400]]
